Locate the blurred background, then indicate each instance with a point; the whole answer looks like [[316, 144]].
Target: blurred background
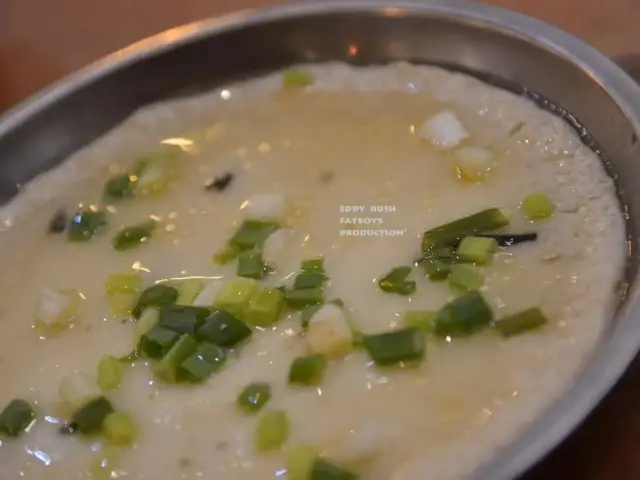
[[44, 40]]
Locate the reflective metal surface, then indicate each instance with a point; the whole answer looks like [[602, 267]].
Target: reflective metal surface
[[520, 51]]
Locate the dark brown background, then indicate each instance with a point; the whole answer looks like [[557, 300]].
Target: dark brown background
[[43, 40]]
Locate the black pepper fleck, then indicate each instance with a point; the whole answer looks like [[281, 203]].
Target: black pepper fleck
[[220, 184], [58, 222]]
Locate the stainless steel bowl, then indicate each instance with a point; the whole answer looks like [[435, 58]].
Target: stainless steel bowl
[[518, 50]]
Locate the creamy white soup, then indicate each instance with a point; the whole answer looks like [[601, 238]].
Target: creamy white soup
[[331, 272]]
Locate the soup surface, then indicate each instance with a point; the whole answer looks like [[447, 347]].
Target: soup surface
[[362, 177]]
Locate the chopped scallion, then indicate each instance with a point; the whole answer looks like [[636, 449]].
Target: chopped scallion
[[109, 373], [157, 342], [323, 470], [253, 397], [131, 237], [149, 319], [309, 280], [272, 430], [188, 290], [396, 282], [252, 234], [207, 359], [307, 371], [251, 265], [422, 319], [183, 318], [313, 265], [123, 283], [119, 186], [521, 322], [90, 417], [153, 173], [448, 234], [168, 368], [236, 294], [119, 429], [86, 223], [537, 206], [463, 316], [16, 417], [396, 346], [223, 329], [478, 250], [155, 296], [265, 307], [465, 277], [299, 299], [299, 462], [329, 332]]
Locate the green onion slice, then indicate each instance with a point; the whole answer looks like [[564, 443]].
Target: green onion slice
[[253, 397], [396, 282], [85, 224], [16, 417], [131, 237]]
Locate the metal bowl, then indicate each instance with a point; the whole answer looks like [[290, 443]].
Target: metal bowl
[[513, 49]]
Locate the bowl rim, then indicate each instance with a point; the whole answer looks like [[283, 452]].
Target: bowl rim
[[607, 363]]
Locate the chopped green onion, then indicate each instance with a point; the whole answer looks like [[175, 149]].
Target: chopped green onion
[[121, 304], [157, 342], [149, 319], [299, 462], [448, 234], [90, 417], [299, 299], [307, 371], [188, 290], [465, 277], [85, 224], [323, 470], [422, 319], [478, 250], [133, 236], [252, 234], [77, 390], [235, 296], [537, 206], [153, 173], [155, 296], [109, 373], [16, 417], [473, 164], [167, 368], [463, 316], [226, 254], [118, 187], [223, 329], [309, 280], [313, 265], [437, 263], [296, 78], [184, 318], [272, 430], [521, 322], [265, 308], [207, 359], [123, 283], [253, 397], [119, 429], [396, 346], [251, 265], [396, 282]]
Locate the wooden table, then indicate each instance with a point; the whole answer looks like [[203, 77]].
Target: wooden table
[[43, 40]]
